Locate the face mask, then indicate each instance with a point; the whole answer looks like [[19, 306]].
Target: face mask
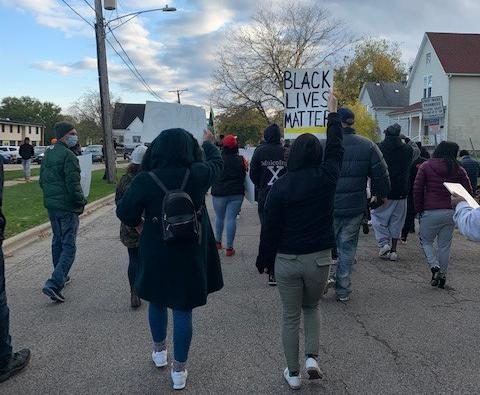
[[72, 141]]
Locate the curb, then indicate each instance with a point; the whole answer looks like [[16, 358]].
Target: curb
[[43, 231]]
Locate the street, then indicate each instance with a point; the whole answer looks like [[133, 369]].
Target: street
[[397, 335]]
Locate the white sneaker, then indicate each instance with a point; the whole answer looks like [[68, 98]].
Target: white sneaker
[[393, 256], [314, 372], [293, 381], [384, 252], [160, 358], [179, 379]]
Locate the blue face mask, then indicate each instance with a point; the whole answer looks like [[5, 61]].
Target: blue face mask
[[71, 141]]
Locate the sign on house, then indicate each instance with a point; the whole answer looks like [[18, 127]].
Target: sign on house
[[432, 107], [306, 96]]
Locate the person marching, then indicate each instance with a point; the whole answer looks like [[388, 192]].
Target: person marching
[[179, 262], [227, 193], [433, 203], [130, 236], [297, 236]]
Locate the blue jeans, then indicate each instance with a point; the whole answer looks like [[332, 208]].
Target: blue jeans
[[182, 329], [346, 237], [5, 340], [226, 209], [65, 228]]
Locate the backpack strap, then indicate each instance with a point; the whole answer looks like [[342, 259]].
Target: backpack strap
[[157, 181], [185, 179]]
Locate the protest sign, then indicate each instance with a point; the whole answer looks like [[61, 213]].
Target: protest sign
[[162, 116], [249, 186], [85, 162], [432, 108], [306, 101]]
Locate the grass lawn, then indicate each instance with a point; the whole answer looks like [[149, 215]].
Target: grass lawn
[[23, 204], [11, 175]]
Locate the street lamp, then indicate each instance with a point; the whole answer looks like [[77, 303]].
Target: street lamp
[[135, 14]]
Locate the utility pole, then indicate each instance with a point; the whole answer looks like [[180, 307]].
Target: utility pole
[[178, 92], [109, 151]]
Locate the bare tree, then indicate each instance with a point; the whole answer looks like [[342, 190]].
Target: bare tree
[[252, 62]]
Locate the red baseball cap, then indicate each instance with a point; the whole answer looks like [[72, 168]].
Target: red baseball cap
[[230, 141]]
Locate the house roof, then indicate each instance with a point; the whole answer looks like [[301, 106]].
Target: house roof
[[415, 107], [125, 113], [387, 94], [458, 52], [7, 121]]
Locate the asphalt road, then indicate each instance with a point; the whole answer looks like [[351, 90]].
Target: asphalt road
[[397, 335]]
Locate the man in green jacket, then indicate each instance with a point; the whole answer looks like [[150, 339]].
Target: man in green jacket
[[64, 200]]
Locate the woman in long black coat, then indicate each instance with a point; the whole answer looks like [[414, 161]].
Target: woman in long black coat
[[180, 275]]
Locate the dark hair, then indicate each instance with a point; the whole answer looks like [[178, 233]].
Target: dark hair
[[133, 169], [306, 152], [448, 150], [229, 151], [26, 138], [464, 152]]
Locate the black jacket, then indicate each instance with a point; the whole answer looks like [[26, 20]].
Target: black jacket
[[472, 168], [232, 180], [26, 151], [298, 215], [399, 157], [267, 166], [361, 159]]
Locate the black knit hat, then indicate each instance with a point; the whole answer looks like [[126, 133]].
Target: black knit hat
[[346, 115], [62, 128], [393, 130]]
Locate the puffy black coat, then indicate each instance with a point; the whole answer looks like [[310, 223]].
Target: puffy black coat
[[232, 180], [362, 159], [26, 151]]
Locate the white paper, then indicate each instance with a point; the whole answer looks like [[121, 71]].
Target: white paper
[[161, 116], [458, 189], [249, 186], [85, 162]]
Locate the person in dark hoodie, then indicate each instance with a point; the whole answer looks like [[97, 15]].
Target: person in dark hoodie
[[433, 203], [472, 167], [297, 236], [389, 218], [267, 166]]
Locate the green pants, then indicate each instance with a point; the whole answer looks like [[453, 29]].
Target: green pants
[[301, 281]]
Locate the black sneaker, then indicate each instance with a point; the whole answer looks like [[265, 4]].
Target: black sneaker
[[53, 294], [271, 280], [365, 228], [442, 279], [435, 270], [17, 363]]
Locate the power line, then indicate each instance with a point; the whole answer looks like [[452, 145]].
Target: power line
[[133, 70], [90, 6], [76, 12]]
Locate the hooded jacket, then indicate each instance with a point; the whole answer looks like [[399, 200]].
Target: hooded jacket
[[232, 180], [268, 164], [298, 214], [26, 151], [362, 159], [429, 192], [472, 167], [182, 274]]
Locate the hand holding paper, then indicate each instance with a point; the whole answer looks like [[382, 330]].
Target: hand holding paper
[[459, 191]]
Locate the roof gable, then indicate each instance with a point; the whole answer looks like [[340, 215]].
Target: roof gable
[[458, 52], [387, 94], [125, 113]]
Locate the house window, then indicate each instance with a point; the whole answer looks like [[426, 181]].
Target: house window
[[36, 129], [427, 86], [3, 128], [13, 143], [136, 139], [428, 58], [29, 130], [11, 128]]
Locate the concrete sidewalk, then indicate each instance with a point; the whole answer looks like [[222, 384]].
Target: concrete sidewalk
[[397, 335]]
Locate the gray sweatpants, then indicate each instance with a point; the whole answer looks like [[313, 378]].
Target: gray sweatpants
[[301, 281], [26, 168], [437, 224], [388, 221]]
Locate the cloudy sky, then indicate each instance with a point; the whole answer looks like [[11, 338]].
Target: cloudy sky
[[48, 52]]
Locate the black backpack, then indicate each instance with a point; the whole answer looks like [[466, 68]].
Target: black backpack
[[180, 220]]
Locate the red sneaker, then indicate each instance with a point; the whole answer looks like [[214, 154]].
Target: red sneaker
[[219, 245], [230, 252]]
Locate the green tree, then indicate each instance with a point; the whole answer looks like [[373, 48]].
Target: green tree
[[29, 109], [373, 60], [365, 125], [247, 124]]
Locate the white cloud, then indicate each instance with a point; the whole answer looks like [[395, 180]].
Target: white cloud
[[66, 69]]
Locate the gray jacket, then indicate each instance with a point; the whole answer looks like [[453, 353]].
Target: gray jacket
[[362, 159]]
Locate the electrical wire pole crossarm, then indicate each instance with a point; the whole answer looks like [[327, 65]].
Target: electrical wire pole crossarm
[[109, 150], [178, 92]]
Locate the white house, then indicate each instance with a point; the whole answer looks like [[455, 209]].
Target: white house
[[448, 66], [128, 124], [381, 98]]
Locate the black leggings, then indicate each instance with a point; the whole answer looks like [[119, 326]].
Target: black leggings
[[132, 265]]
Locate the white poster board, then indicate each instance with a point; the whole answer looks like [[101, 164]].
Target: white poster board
[[458, 189], [161, 116], [432, 107], [85, 162], [306, 96], [249, 186]]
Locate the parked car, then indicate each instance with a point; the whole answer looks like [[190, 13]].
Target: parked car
[[5, 154], [39, 153], [14, 153], [96, 151]]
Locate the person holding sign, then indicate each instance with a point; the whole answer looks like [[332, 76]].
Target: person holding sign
[[433, 203], [466, 218], [297, 236]]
